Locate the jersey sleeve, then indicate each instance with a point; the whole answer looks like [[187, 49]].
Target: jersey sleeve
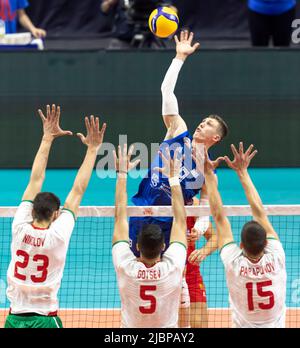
[[229, 253], [22, 4], [23, 214], [63, 226], [121, 253], [176, 254]]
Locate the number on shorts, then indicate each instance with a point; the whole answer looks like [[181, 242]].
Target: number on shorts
[[40, 268], [146, 297], [261, 293]]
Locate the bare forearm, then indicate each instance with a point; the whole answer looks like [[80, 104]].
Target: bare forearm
[[251, 194], [121, 199], [215, 201], [85, 171], [211, 245], [25, 20], [41, 159], [178, 204]]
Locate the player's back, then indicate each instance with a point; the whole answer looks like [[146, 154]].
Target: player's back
[[257, 291], [150, 296], [37, 263]]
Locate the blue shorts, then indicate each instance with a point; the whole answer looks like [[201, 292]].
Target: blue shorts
[[136, 224]]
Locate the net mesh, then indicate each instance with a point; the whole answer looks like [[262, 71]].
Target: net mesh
[[89, 295]]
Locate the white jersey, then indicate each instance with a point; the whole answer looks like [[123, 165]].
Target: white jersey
[[37, 261], [257, 291], [150, 297]]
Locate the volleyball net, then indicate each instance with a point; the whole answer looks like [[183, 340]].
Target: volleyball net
[[89, 295]]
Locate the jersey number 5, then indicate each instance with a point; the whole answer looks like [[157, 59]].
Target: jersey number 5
[[261, 293], [40, 268], [146, 297]]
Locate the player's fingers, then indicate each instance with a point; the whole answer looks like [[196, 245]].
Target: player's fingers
[[186, 35], [158, 169], [130, 151], [190, 38], [87, 124], [57, 114], [119, 152], [134, 164], [196, 46], [97, 123], [41, 115], [249, 150], [241, 148], [176, 39], [81, 137], [67, 133], [103, 129], [252, 154], [92, 123], [182, 35], [53, 111], [115, 160], [218, 161], [227, 160], [48, 111], [234, 150]]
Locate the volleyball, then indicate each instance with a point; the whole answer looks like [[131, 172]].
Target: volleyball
[[163, 22]]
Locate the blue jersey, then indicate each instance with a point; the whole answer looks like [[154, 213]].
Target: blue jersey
[[154, 189], [271, 7], [8, 13]]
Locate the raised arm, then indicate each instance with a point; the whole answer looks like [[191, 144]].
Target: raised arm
[[171, 169], [93, 141], [51, 130], [170, 111], [224, 232], [240, 164], [122, 165]]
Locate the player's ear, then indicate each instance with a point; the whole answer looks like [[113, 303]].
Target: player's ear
[[241, 245], [163, 247], [216, 138], [137, 247]]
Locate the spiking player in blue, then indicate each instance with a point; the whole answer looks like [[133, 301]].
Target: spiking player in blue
[[154, 189]]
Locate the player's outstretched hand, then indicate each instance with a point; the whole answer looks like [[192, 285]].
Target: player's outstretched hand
[[51, 125], [203, 163], [171, 166], [94, 137], [122, 161], [196, 257], [184, 45], [241, 159]]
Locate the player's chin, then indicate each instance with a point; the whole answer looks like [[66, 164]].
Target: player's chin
[[197, 138]]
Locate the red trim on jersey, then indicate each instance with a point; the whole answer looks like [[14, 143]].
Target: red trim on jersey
[[39, 228], [50, 314]]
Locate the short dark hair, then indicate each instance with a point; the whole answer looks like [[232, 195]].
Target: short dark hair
[[253, 237], [150, 240], [44, 205], [223, 128]]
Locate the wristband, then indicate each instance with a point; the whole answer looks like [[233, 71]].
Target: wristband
[[174, 181], [121, 174]]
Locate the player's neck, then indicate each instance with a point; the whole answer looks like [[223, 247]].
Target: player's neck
[[194, 143], [41, 224], [254, 259], [148, 262]]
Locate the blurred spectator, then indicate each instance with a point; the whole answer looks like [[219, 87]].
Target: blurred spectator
[[124, 27], [271, 19], [11, 10]]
